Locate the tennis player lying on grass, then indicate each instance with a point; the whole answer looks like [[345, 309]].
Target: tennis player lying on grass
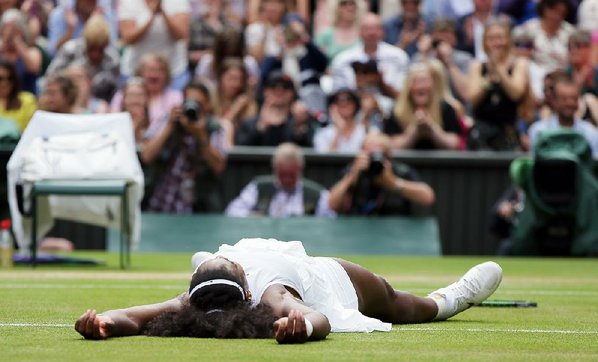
[[262, 288]]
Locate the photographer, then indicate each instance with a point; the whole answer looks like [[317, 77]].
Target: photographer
[[188, 155], [375, 185]]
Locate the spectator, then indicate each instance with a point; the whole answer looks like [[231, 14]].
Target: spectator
[[94, 52], [421, 118], [205, 27], [566, 97], [37, 13], [136, 103], [190, 148], [448, 9], [391, 61], [86, 102], [285, 193], [343, 33], [155, 26], [234, 101], [299, 7], [17, 47], [67, 20], [471, 28], [404, 30], [229, 43], [496, 89], [302, 61], [281, 118], [551, 33], [262, 37], [523, 44], [344, 133], [579, 65], [155, 71], [15, 104], [59, 94], [376, 185], [442, 45]]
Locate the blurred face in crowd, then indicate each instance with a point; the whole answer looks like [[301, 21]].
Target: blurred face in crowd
[[555, 14], [288, 172], [347, 10], [371, 30], [446, 35], [524, 48], [376, 143], [232, 81], [273, 10], [280, 93], [201, 98], [155, 76], [345, 105], [410, 9], [579, 52], [421, 88], [85, 7], [81, 79], [135, 99], [496, 41], [6, 83], [95, 52], [54, 100], [566, 97], [482, 5]]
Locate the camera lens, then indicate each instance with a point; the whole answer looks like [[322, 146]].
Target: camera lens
[[191, 109], [376, 164]]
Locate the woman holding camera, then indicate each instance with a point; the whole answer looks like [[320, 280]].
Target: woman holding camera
[[187, 156], [421, 118], [374, 184]]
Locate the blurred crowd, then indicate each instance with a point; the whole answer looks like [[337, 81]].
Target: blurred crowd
[[200, 77]]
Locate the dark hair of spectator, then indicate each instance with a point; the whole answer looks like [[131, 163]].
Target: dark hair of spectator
[[228, 43], [12, 101], [580, 37], [200, 87], [549, 4]]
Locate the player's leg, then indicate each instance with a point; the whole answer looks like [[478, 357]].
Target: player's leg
[[378, 299]]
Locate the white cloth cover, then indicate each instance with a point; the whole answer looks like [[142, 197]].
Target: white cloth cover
[[91, 136]]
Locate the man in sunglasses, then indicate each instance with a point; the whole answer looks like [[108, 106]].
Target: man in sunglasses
[[281, 118]]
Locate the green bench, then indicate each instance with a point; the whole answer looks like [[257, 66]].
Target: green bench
[[320, 236]]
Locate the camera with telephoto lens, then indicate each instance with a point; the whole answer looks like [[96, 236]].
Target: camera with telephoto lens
[[191, 109], [376, 164]]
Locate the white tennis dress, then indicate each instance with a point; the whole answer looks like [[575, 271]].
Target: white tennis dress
[[321, 282]]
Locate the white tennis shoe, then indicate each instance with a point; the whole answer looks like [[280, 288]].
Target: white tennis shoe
[[472, 289]]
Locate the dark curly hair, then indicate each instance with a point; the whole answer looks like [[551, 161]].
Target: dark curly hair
[[215, 311], [241, 321]]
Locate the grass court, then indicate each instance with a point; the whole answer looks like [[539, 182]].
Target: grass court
[[38, 309]]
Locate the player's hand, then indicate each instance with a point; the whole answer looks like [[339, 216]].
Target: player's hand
[[94, 326], [291, 329]]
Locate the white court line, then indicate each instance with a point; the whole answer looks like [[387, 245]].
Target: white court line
[[411, 329], [577, 293], [494, 330]]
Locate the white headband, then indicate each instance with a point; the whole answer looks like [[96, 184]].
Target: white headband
[[217, 281]]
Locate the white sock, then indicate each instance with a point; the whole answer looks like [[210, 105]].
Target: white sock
[[445, 307]]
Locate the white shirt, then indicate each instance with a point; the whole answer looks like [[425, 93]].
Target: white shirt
[[156, 39], [392, 64], [585, 128], [549, 52], [257, 33], [283, 204], [324, 137]]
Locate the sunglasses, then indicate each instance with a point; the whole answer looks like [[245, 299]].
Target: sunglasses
[[343, 98], [347, 2], [578, 45], [282, 85], [527, 45]]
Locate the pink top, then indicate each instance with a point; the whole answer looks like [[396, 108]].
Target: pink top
[[159, 108]]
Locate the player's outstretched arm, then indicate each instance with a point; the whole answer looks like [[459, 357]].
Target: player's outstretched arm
[[122, 322], [298, 323]]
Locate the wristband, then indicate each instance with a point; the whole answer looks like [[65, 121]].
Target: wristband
[[309, 328]]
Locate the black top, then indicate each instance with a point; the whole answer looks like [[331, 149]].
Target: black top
[[450, 123], [495, 107]]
